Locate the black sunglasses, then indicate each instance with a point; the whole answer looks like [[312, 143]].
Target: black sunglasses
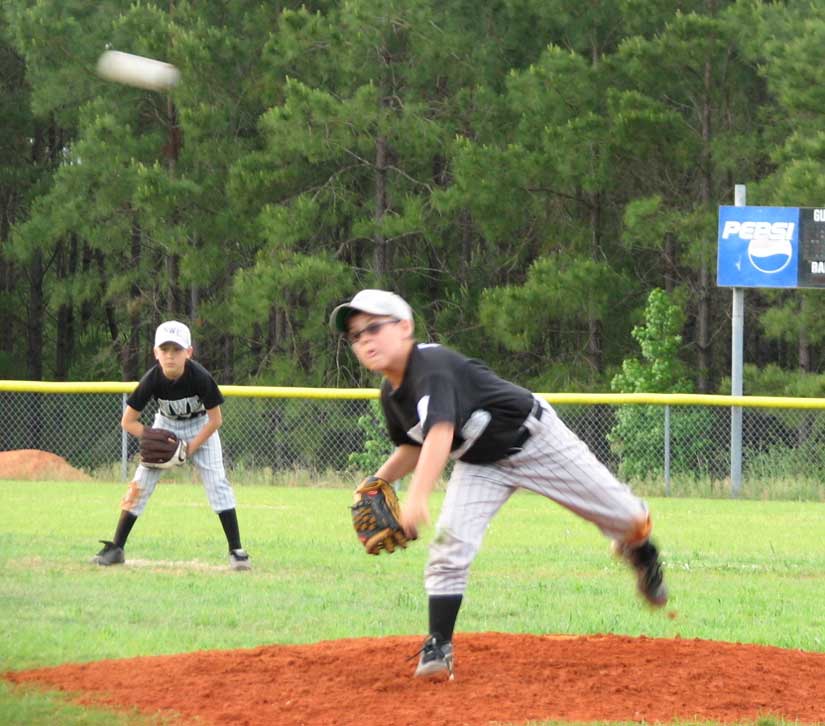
[[371, 329]]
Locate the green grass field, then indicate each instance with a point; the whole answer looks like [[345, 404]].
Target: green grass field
[[747, 571]]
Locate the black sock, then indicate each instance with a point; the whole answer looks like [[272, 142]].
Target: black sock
[[443, 614], [229, 522], [124, 526]]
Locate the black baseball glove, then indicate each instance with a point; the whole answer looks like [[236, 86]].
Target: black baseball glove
[[375, 516], [161, 449]]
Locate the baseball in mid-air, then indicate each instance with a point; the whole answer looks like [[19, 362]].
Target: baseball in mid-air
[[135, 70]]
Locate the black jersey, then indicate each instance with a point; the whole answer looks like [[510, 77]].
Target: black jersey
[[190, 395], [443, 385]]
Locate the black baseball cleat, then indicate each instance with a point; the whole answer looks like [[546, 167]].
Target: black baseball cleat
[[650, 582], [436, 658], [109, 555]]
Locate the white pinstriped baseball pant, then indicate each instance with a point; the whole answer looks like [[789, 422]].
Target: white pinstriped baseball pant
[[555, 463], [208, 459]]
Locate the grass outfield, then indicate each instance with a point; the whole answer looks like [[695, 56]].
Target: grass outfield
[[744, 571]]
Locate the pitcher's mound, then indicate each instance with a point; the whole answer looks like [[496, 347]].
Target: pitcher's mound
[[36, 465], [501, 678]]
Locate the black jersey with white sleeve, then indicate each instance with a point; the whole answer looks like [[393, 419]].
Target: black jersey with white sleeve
[[190, 395], [440, 385]]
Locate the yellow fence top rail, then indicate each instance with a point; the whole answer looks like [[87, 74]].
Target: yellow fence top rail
[[229, 391], [616, 399], [67, 387], [684, 399]]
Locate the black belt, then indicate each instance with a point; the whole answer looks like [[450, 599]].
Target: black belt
[[523, 432], [185, 417]]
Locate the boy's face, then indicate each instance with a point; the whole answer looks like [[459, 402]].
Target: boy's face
[[379, 342], [172, 359]]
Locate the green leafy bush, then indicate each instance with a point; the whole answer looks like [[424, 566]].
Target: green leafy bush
[[377, 445], [697, 446], [639, 434]]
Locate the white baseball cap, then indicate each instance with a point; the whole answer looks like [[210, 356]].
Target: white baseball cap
[[173, 332], [373, 302]]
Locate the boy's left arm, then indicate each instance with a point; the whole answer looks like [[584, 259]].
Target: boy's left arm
[[435, 452], [215, 419]]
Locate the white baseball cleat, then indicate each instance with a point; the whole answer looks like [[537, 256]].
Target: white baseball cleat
[[239, 560], [436, 658]]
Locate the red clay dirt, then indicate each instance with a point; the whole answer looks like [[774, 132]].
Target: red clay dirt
[[500, 678], [34, 464]]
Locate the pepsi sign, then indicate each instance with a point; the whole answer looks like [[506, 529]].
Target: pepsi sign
[[758, 247]]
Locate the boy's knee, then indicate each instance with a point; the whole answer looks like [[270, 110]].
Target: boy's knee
[[132, 497], [450, 556]]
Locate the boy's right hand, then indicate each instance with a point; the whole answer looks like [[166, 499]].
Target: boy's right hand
[[414, 513]]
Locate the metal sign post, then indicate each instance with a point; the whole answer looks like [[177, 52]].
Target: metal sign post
[[736, 364]]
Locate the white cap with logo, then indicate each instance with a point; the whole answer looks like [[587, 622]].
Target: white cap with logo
[[373, 302], [173, 332]]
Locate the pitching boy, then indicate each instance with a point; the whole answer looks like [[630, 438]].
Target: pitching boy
[[189, 405], [439, 405]]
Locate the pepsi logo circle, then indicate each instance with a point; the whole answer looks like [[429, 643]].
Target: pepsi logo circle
[[770, 255]]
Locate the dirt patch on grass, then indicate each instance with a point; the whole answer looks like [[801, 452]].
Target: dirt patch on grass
[[500, 678], [37, 465]]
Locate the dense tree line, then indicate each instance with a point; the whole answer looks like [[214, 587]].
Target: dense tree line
[[525, 172]]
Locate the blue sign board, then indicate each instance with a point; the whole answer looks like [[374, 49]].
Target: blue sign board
[[771, 247], [758, 247]]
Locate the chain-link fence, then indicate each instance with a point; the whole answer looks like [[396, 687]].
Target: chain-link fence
[[679, 449]]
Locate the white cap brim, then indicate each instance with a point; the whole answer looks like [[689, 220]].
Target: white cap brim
[[371, 302]]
